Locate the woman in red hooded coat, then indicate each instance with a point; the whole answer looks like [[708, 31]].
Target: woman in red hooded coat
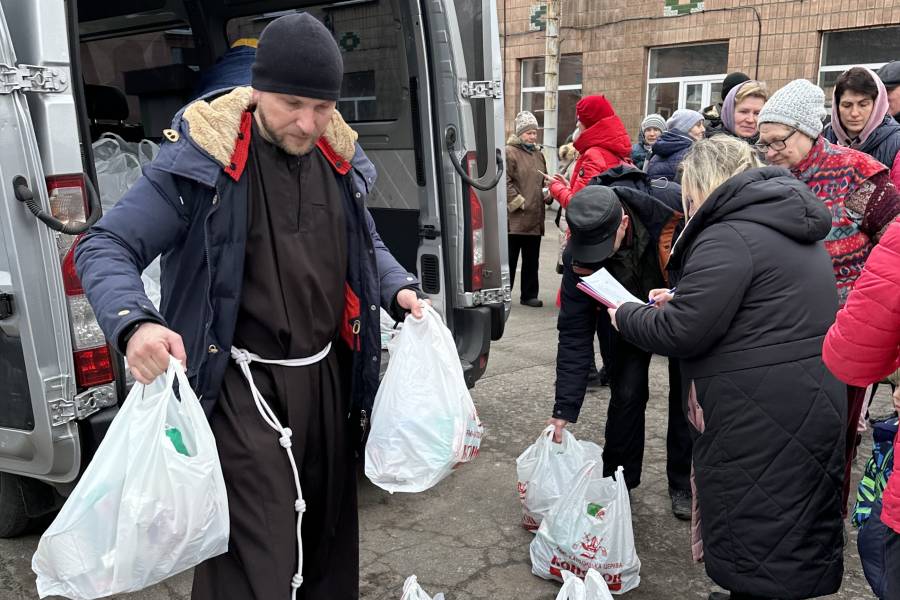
[[861, 348], [602, 142]]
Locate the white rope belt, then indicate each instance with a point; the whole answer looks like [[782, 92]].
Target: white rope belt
[[243, 359]]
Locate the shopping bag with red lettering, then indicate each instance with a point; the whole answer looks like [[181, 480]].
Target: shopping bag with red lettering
[[590, 528], [546, 470]]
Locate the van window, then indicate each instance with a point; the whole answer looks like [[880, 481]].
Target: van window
[[135, 84], [370, 39]]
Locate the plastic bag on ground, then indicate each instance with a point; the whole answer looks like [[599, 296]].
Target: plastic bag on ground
[[424, 423], [589, 528], [151, 503], [545, 471], [572, 588], [592, 588], [413, 591]]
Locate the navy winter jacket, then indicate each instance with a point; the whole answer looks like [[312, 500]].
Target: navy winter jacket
[[667, 154], [191, 207], [883, 144]]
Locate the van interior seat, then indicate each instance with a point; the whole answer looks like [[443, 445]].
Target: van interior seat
[[107, 111], [163, 91]]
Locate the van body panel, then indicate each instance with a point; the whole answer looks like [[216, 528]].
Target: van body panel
[[40, 321], [44, 43]]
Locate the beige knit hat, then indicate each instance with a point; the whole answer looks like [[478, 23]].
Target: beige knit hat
[[525, 121]]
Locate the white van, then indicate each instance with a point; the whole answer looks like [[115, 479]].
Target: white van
[[422, 88]]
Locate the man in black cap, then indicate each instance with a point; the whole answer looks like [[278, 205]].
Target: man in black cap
[[272, 279], [629, 232], [713, 113], [890, 77]]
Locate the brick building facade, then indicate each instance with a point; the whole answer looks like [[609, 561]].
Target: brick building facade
[[666, 54]]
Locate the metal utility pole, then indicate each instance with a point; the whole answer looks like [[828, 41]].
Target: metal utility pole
[[551, 85]]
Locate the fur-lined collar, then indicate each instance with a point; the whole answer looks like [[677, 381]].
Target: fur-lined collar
[[515, 140], [214, 126]]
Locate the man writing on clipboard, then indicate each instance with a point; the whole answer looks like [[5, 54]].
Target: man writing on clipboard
[[629, 233]]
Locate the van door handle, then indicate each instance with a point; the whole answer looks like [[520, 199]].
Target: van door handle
[[25, 195], [450, 140]]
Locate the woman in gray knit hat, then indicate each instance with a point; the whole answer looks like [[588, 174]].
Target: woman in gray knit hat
[[855, 187], [652, 127]]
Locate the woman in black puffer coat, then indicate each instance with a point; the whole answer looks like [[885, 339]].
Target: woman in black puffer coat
[[754, 301]]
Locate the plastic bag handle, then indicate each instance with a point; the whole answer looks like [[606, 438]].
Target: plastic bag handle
[[173, 372], [113, 136], [566, 438]]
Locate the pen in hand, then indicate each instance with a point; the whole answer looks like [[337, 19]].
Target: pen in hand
[[652, 301]]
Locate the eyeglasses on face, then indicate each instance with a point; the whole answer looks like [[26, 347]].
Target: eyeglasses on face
[[776, 145]]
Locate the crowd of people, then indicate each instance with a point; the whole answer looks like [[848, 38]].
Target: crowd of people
[[765, 237]]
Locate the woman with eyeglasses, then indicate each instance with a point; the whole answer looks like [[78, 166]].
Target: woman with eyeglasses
[[754, 300], [855, 187]]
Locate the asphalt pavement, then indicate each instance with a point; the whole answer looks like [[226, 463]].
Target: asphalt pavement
[[464, 537]]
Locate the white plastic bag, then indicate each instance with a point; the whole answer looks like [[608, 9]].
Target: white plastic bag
[[118, 164], [572, 587], [143, 510], [546, 470], [592, 588], [389, 329], [424, 422], [590, 528], [413, 591]]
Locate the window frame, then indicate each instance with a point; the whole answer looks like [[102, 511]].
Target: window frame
[[543, 88], [706, 80], [829, 97], [569, 87]]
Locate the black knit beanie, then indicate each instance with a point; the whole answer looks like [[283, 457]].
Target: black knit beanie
[[732, 80], [298, 56]]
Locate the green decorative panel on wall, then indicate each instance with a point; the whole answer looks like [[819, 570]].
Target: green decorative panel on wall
[[538, 19], [350, 41], [674, 8]]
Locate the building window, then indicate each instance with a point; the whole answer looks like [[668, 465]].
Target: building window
[[841, 50], [569, 92], [685, 77]]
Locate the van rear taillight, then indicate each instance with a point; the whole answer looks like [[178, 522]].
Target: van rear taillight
[[93, 364], [93, 367], [476, 222]]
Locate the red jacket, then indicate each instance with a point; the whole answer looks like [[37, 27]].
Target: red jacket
[[863, 345], [602, 146]]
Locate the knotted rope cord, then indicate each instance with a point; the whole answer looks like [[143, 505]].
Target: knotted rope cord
[[243, 359]]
